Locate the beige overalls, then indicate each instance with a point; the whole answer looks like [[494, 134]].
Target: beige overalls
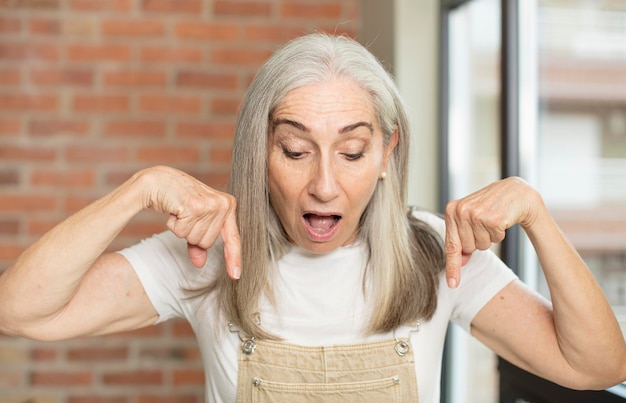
[[272, 371]]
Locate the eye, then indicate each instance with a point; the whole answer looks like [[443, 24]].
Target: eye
[[354, 156], [294, 155]]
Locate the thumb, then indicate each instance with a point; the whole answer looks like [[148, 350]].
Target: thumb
[[197, 255]]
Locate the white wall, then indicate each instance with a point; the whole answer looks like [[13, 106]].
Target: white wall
[[415, 67]]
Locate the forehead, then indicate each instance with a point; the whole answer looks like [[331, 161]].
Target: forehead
[[335, 99]]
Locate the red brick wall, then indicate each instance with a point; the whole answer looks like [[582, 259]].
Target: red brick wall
[[92, 91]]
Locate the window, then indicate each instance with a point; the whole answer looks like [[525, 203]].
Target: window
[[580, 153], [537, 88]]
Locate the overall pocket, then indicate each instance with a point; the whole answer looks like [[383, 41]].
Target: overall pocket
[[379, 390]]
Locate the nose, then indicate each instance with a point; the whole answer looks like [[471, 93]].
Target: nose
[[323, 184]]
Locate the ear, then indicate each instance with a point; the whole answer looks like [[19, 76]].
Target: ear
[[393, 142]]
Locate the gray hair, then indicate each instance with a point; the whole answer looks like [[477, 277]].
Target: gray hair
[[395, 268]]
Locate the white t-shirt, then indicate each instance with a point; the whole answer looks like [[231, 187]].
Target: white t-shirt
[[320, 299]]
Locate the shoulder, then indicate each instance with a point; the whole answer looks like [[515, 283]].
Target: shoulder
[[166, 253]]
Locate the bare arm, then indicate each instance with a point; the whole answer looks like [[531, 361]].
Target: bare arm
[[63, 286], [575, 341]]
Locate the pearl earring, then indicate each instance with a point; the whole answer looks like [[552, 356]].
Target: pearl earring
[[383, 175]]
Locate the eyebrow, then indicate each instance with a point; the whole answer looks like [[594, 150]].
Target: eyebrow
[[300, 126]]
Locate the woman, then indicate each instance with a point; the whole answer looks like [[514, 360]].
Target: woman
[[310, 280]]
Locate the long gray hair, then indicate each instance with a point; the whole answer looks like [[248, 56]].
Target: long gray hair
[[405, 255]]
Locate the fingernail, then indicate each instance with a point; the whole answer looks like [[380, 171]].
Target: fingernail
[[236, 273], [452, 282]]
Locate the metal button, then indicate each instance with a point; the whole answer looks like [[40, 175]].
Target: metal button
[[248, 346], [402, 347]]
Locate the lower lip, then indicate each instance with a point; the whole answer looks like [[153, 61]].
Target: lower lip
[[320, 236]]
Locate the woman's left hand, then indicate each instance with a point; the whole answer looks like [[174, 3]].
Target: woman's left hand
[[477, 221]]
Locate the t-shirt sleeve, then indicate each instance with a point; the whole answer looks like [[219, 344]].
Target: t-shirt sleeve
[[167, 274], [482, 277]]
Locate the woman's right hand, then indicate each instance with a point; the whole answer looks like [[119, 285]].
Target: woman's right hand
[[198, 213]]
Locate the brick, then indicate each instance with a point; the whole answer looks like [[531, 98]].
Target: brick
[[116, 178], [178, 398], [98, 53], [133, 378], [206, 80], [73, 203], [225, 106], [10, 251], [168, 154], [135, 128], [9, 177], [27, 153], [133, 28], [29, 50], [188, 377], [59, 378], [177, 54], [58, 126], [100, 103], [10, 127], [135, 78], [220, 155], [9, 227], [145, 332], [206, 130], [40, 26], [97, 354], [242, 8], [40, 227], [93, 154], [239, 57], [99, 5], [73, 179], [170, 104], [44, 354], [29, 103], [62, 76], [31, 4], [217, 180], [10, 25], [172, 6], [24, 202], [207, 31], [172, 353], [142, 229], [10, 76], [310, 10], [271, 33]]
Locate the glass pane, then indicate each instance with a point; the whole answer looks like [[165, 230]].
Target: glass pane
[[473, 121], [581, 143]]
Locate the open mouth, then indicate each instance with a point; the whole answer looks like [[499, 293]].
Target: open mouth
[[321, 223]]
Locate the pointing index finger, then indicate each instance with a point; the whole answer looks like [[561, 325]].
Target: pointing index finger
[[454, 253], [232, 246]]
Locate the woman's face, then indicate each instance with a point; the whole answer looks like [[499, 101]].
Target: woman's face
[[326, 155]]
